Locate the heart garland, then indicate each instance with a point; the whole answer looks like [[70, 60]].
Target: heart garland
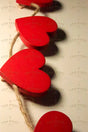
[[22, 70]]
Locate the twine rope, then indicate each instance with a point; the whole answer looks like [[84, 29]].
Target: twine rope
[[37, 8], [20, 98], [13, 42], [18, 34], [22, 109]]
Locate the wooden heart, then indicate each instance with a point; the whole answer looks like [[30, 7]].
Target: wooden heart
[[39, 2], [33, 30], [54, 121], [22, 69]]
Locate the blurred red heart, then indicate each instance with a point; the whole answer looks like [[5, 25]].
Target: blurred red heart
[[33, 30], [22, 69], [39, 2], [54, 121]]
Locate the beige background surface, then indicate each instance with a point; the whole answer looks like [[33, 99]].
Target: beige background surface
[[69, 63]]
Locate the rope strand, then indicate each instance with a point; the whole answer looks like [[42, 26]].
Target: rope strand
[[18, 34], [12, 44], [22, 109], [37, 8], [33, 5], [16, 89]]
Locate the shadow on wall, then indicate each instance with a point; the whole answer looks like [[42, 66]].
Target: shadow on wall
[[50, 98], [55, 6], [51, 49], [52, 7]]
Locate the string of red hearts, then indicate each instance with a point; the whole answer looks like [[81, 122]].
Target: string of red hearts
[[24, 74]]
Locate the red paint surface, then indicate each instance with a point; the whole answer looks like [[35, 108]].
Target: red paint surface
[[54, 122], [39, 2], [33, 30], [22, 69]]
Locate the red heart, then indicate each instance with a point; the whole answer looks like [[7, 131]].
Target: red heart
[[54, 122], [39, 2], [22, 69], [33, 30]]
